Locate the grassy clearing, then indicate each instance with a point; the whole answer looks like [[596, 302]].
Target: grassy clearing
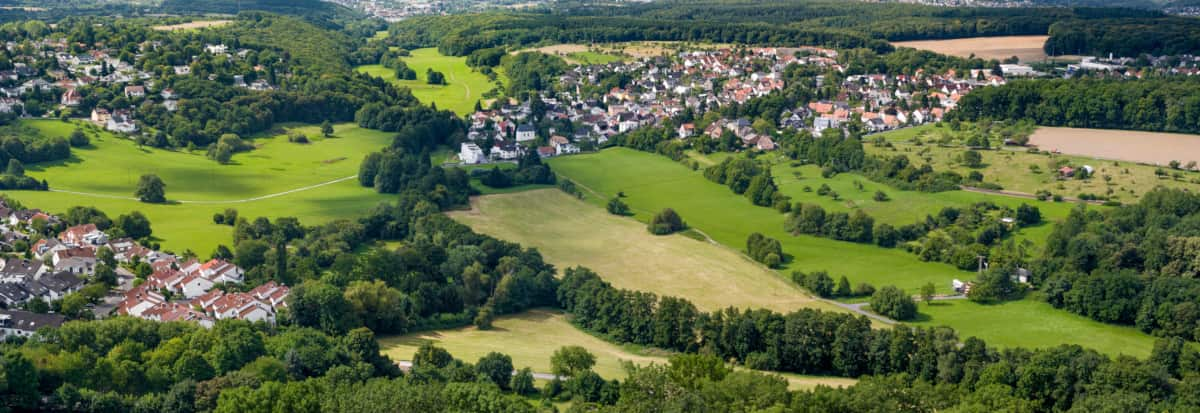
[[653, 182], [462, 89], [569, 232], [530, 338], [1016, 169], [108, 171], [196, 25], [1033, 323], [903, 207]]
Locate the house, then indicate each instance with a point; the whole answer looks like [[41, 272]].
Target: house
[[1066, 171], [686, 130], [58, 285], [182, 70], [471, 154], [506, 151], [15, 323], [193, 285], [75, 260], [765, 144], [168, 93], [135, 92], [44, 247], [12, 294], [546, 151], [83, 235], [121, 121], [216, 48], [100, 115], [17, 270], [526, 133], [171, 105], [220, 271], [1021, 276], [70, 98]]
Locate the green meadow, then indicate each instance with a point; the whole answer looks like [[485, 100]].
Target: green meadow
[[463, 86], [278, 178], [1033, 323], [651, 182]]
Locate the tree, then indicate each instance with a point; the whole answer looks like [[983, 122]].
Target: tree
[[431, 356], [151, 189], [927, 292], [522, 382], [571, 360], [1028, 215], [78, 139], [434, 77], [616, 206], [134, 225], [666, 222], [497, 368], [326, 129], [971, 159], [893, 302], [15, 168], [843, 287]]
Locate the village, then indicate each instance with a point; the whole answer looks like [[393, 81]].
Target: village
[[151, 284], [52, 77], [699, 82]]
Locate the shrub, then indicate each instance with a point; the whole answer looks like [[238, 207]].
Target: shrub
[[617, 207], [894, 303], [666, 222], [880, 196]]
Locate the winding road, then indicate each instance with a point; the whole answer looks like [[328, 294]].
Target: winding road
[[230, 201]]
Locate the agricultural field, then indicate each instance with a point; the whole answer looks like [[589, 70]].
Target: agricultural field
[[652, 182], [530, 338], [1026, 48], [569, 232], [201, 24], [313, 182], [1156, 148], [463, 86], [1032, 323], [1019, 170]]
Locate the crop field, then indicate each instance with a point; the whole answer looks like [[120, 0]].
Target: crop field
[[1026, 48], [308, 181], [1032, 323], [1016, 169], [1145, 147], [569, 232], [530, 338], [462, 89], [652, 182]]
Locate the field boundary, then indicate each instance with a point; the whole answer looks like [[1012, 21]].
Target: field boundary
[[231, 201]]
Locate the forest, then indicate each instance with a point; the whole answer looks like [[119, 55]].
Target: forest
[[1155, 104], [1171, 36]]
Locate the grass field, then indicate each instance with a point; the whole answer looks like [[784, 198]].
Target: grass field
[[108, 171], [202, 24], [569, 232], [530, 338], [1016, 169], [653, 182], [463, 86], [903, 207], [1033, 323]]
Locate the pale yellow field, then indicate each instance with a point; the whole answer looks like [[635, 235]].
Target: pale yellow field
[[1147, 147], [569, 232], [530, 338], [193, 25], [1026, 48]]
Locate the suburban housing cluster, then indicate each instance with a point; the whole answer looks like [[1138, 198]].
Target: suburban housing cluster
[[662, 88], [176, 290]]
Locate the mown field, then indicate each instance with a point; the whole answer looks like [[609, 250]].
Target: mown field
[[1016, 169], [530, 338], [569, 232], [105, 175], [1026, 48], [1032, 323], [652, 182], [463, 86]]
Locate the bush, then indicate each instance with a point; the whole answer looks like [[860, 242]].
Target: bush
[[666, 222], [894, 303], [880, 196], [616, 206]]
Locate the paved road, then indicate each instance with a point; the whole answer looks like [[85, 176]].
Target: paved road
[[406, 365], [230, 201]]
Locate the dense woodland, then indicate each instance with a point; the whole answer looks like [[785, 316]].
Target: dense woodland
[[1170, 105], [1135, 265]]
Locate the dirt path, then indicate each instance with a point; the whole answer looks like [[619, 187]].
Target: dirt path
[[231, 201], [1016, 194]]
